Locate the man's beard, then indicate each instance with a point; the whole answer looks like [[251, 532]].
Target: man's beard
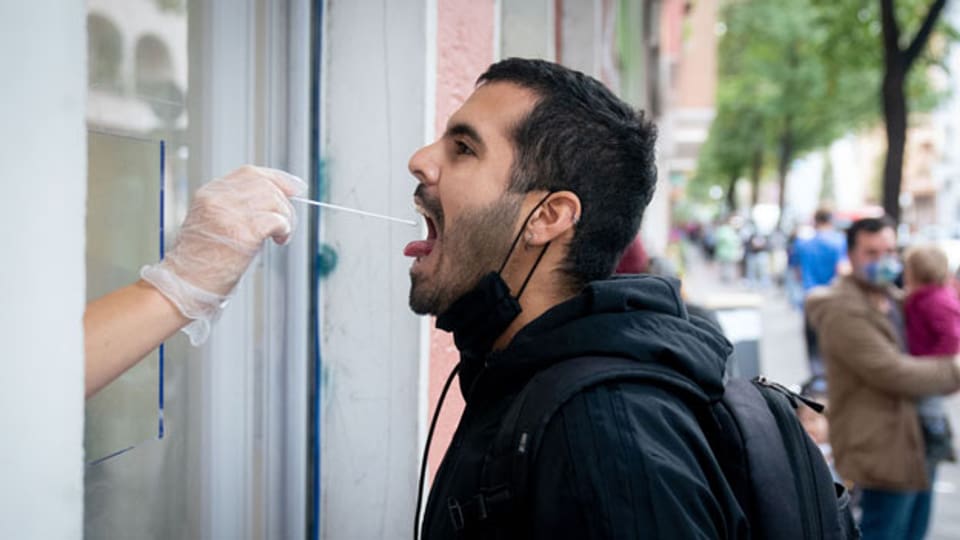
[[471, 248]]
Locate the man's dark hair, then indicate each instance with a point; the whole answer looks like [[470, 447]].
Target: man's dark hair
[[823, 217], [869, 225], [580, 137]]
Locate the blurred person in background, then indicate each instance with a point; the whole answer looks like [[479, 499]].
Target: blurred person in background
[[815, 423], [757, 258], [792, 283], [636, 261], [708, 241], [932, 317], [727, 250], [931, 307], [817, 260], [874, 386]]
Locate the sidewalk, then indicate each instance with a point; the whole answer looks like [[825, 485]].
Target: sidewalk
[[782, 350], [783, 359]]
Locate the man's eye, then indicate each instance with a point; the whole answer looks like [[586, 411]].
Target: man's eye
[[463, 149]]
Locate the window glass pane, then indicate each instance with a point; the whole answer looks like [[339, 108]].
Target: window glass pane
[[123, 234], [138, 72], [139, 62]]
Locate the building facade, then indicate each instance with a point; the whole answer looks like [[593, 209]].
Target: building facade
[[305, 413]]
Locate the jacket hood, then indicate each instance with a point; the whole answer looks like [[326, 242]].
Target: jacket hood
[[638, 317]]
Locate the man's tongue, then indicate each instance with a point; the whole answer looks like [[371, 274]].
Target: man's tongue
[[419, 248]]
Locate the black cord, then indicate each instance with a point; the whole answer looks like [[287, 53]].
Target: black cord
[[516, 239], [532, 270], [426, 450]]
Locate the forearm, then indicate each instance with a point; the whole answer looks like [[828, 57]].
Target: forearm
[[123, 327], [856, 343], [916, 377]]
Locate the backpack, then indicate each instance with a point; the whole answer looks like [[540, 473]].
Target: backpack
[[777, 473]]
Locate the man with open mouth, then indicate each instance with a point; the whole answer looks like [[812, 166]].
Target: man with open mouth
[[530, 196]]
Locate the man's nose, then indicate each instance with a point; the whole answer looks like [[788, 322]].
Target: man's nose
[[424, 164]]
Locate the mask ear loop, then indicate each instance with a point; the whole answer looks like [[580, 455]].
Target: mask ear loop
[[514, 245], [532, 270], [519, 234]]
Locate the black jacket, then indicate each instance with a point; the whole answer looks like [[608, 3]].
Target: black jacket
[[622, 460]]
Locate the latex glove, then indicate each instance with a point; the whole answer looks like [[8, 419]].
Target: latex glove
[[228, 221]]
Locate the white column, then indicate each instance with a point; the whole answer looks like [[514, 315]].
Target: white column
[[582, 31], [375, 71], [528, 29], [42, 280], [222, 80]]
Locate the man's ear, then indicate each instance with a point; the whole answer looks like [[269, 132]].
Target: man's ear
[[555, 217]]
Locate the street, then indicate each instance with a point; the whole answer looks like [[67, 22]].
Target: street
[[783, 359]]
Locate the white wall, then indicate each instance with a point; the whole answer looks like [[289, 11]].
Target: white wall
[[528, 29], [582, 30], [43, 155], [375, 72]]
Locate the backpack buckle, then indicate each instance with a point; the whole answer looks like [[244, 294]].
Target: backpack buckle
[[476, 508], [472, 511], [456, 514]]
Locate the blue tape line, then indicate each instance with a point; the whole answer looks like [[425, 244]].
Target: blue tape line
[[317, 386], [110, 456], [160, 424], [317, 40], [163, 168]]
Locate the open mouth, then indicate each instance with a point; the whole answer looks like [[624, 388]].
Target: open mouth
[[422, 248]]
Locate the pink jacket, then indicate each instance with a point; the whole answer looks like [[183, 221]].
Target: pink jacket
[[932, 319]]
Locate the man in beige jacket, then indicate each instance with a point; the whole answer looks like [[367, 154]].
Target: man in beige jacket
[[873, 386]]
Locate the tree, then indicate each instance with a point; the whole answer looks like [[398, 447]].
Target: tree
[[897, 64], [870, 37], [810, 71], [775, 81], [734, 146]]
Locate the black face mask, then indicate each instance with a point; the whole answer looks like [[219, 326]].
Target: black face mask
[[481, 315]]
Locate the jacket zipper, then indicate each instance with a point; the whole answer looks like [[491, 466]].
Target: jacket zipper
[[791, 395]]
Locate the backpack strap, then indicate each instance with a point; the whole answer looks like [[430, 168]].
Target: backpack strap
[[776, 472], [506, 469], [749, 431], [820, 507], [763, 462]]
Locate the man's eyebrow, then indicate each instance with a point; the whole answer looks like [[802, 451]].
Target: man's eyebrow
[[465, 130]]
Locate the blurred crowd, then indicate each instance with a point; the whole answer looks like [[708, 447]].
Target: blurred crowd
[[882, 333]]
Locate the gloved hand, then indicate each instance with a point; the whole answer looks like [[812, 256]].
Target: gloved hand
[[228, 221]]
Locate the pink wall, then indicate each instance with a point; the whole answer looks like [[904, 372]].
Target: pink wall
[[671, 28], [464, 50], [697, 77]]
